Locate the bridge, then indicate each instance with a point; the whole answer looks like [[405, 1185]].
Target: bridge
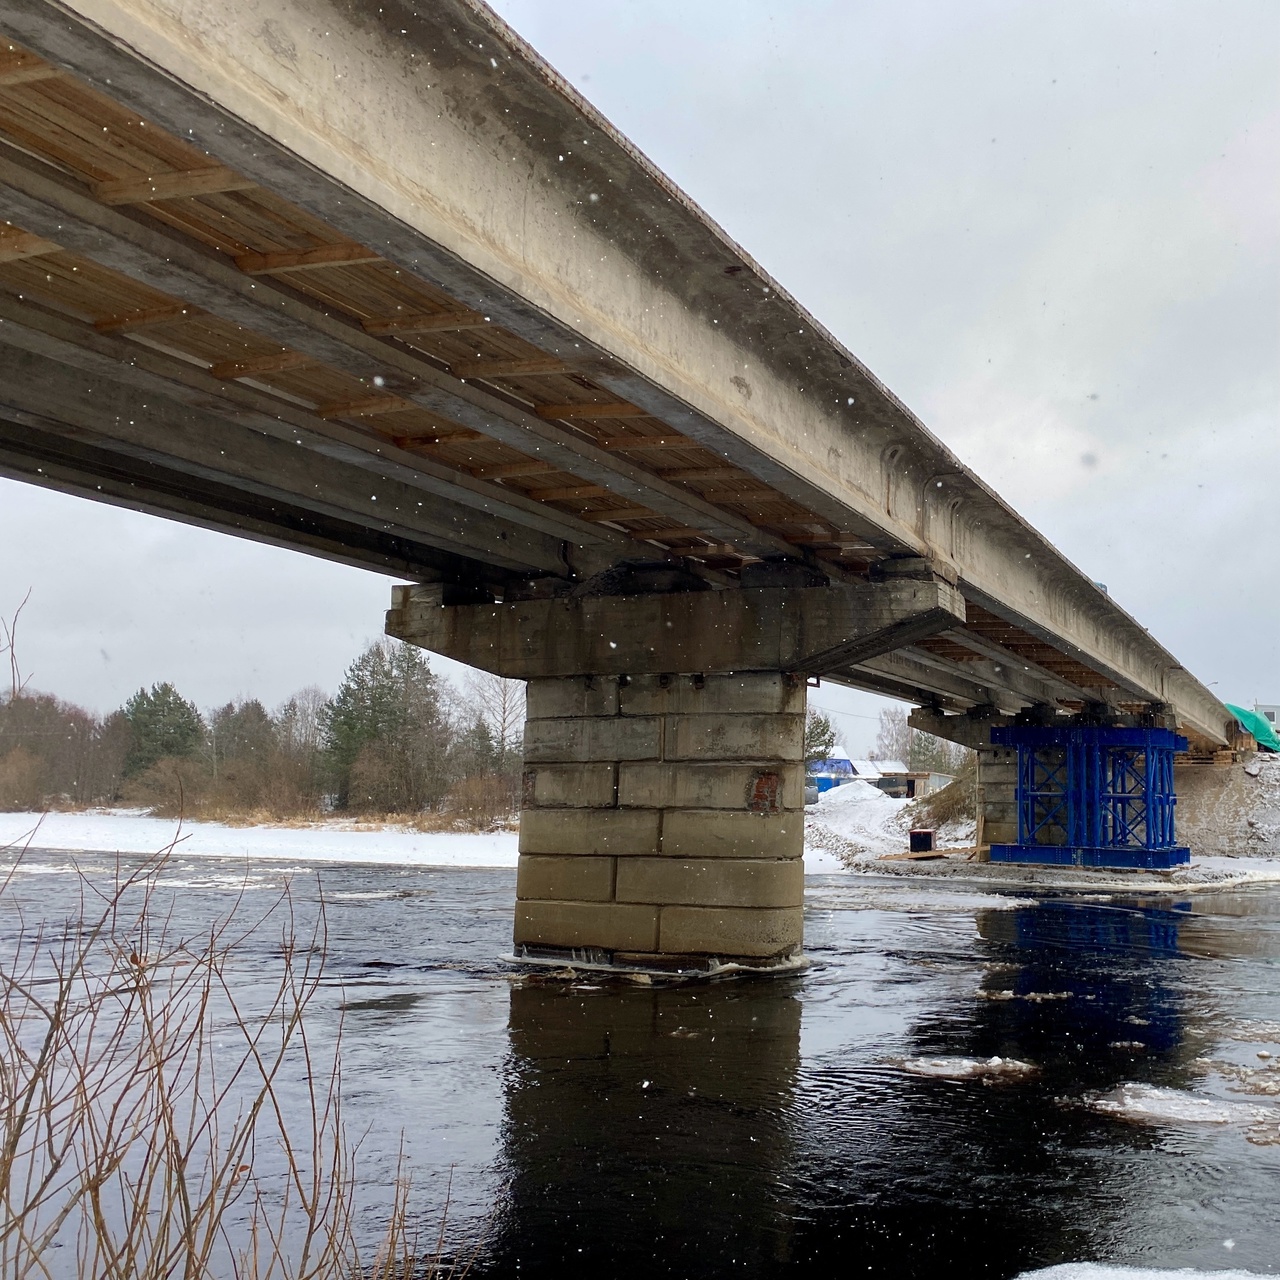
[[378, 285]]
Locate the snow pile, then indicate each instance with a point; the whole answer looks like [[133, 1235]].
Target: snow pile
[[855, 822], [132, 832]]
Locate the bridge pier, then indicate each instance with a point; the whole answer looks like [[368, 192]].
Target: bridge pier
[[663, 807], [662, 819]]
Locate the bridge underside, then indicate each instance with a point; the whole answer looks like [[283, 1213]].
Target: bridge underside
[[456, 330]]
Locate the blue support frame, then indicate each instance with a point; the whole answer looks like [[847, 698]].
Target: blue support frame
[[1093, 796]]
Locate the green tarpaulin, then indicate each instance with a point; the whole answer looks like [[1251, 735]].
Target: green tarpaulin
[[1257, 724]]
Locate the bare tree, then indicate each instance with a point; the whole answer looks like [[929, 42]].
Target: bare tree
[[501, 703], [9, 646], [894, 736], [897, 740]]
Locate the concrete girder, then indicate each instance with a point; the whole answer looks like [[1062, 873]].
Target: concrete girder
[[972, 730], [906, 668], [33, 329], [125, 241], [1006, 676], [68, 403], [904, 689], [78, 468], [1052, 687], [792, 629], [1136, 664]]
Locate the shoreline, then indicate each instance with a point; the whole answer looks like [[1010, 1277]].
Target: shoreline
[[133, 833]]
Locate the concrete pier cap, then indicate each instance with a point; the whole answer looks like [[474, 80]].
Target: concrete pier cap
[[662, 815]]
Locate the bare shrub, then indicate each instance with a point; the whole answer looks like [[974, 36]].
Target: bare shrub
[[170, 788], [22, 780], [146, 1130], [956, 802], [481, 802]]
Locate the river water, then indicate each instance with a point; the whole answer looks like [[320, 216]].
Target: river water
[[848, 1120]]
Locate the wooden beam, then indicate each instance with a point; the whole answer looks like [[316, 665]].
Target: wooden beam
[[16, 245], [171, 186], [327, 255], [367, 408], [845, 541], [412, 443], [508, 368], [750, 495], [627, 444], [17, 66], [667, 535], [229, 370], [564, 495], [706, 473], [710, 549], [150, 318], [510, 470], [618, 513], [568, 412], [433, 322]]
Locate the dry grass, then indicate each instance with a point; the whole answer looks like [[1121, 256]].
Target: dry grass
[[150, 1122], [956, 802]]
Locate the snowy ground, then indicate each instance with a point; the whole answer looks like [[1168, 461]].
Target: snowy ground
[[132, 831]]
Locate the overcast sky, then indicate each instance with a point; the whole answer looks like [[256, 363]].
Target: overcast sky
[[1051, 229]]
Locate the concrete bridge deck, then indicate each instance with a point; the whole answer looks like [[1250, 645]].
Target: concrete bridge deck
[[378, 285]]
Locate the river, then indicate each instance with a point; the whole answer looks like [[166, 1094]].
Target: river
[[848, 1120]]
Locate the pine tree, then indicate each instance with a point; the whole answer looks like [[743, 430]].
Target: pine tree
[[161, 723], [385, 733], [819, 737]]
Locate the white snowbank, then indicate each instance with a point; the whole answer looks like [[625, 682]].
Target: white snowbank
[[1107, 1271], [116, 831], [858, 822], [854, 822]]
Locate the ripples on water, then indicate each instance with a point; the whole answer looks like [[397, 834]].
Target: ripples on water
[[770, 1127]]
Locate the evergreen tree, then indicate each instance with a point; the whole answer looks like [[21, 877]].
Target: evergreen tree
[[385, 733], [161, 723], [477, 751], [241, 731], [819, 737]]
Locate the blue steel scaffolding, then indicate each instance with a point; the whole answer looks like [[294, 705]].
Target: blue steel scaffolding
[[1093, 796]]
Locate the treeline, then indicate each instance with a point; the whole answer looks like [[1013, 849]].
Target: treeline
[[396, 738]]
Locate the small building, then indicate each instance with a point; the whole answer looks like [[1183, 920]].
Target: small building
[[890, 776], [834, 771], [1270, 712]]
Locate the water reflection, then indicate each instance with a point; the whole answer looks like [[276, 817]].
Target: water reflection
[[665, 1107], [1083, 987]]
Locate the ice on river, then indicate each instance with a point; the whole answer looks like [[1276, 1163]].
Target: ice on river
[[1106, 1271], [968, 1068], [1150, 1104]]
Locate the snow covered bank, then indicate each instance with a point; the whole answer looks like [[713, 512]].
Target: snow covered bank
[[857, 823], [850, 830], [132, 831]]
